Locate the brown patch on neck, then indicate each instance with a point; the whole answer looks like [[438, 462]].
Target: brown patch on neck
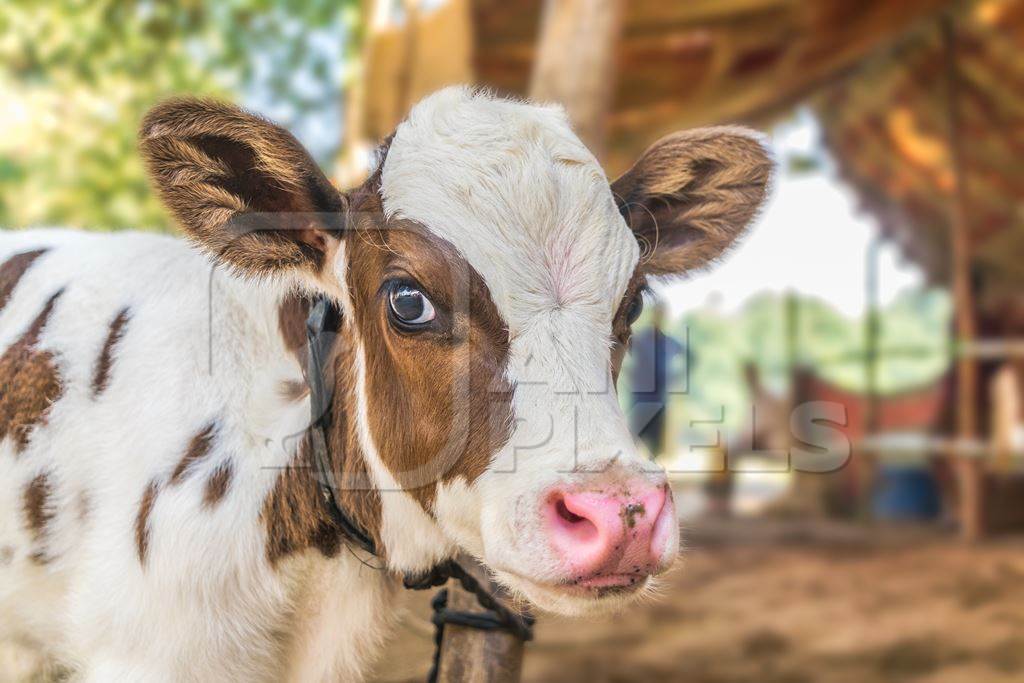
[[142, 520], [294, 513], [101, 375], [30, 380], [198, 448], [12, 270], [291, 322], [438, 403], [36, 501], [217, 485]]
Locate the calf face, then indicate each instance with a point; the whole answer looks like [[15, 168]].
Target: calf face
[[488, 274]]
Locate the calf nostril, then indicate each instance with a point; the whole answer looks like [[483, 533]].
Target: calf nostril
[[573, 528], [567, 514]]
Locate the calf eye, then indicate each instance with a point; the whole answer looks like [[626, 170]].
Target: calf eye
[[636, 307], [409, 307]]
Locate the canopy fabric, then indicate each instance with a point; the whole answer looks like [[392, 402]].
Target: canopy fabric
[[889, 129]]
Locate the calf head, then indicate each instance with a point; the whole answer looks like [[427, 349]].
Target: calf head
[[488, 274]]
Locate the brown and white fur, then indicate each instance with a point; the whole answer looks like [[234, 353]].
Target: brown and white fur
[[158, 518]]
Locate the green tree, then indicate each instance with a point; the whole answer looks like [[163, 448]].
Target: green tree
[[78, 76], [913, 343]]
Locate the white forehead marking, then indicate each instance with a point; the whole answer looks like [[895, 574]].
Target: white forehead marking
[[513, 188]]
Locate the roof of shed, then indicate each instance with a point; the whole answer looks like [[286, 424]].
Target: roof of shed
[[873, 70]]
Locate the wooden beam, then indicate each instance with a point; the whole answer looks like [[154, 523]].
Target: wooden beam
[[994, 349], [575, 63], [971, 471]]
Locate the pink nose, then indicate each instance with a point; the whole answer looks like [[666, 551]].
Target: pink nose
[[616, 533]]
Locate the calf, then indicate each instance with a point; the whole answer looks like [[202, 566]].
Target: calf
[[159, 518]]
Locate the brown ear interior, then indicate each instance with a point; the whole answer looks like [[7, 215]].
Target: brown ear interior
[[258, 188], [690, 195], [242, 188]]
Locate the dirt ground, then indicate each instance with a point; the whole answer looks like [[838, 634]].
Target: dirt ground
[[767, 604]]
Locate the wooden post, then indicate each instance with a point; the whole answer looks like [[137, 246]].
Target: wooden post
[[575, 64], [791, 321], [401, 62], [473, 656], [808, 489], [971, 470], [867, 467], [410, 55], [872, 332]]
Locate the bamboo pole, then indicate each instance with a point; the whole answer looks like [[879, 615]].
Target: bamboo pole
[[971, 471]]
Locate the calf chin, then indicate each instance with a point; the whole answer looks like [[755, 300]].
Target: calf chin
[[566, 601]]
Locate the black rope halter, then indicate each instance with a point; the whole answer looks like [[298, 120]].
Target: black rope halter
[[322, 327]]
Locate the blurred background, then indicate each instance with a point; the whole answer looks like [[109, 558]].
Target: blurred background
[[884, 277]]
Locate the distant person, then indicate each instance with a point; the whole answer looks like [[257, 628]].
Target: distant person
[[653, 352]]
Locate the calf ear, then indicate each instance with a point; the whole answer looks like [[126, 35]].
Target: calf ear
[[242, 188], [691, 194]]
